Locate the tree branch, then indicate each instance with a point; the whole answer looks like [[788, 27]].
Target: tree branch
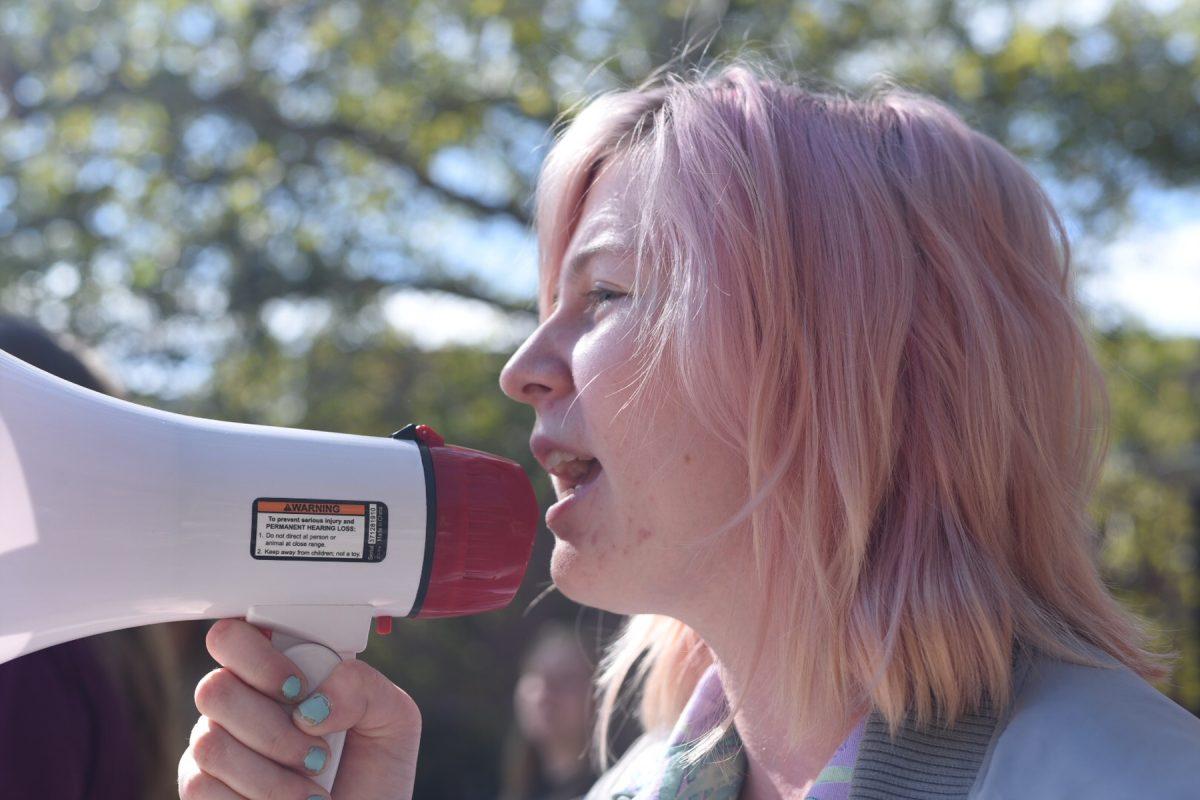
[[174, 94]]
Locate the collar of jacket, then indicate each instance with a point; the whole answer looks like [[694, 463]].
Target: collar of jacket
[[918, 764], [934, 761]]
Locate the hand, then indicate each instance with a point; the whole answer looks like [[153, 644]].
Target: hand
[[246, 745]]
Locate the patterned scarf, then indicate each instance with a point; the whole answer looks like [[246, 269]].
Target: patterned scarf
[[720, 773]]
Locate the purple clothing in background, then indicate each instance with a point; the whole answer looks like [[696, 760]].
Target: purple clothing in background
[[65, 732]]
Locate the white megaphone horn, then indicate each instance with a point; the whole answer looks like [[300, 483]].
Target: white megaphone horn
[[118, 515]]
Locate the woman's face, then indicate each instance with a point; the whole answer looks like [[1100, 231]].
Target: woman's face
[[553, 695], [663, 480]]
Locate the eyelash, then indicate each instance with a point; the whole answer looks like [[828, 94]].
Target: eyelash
[[593, 302], [592, 296]]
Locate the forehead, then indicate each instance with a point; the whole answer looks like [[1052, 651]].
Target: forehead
[[605, 226], [559, 657], [606, 210]]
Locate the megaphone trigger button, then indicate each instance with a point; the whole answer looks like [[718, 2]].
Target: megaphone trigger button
[[383, 625], [429, 436], [421, 433]]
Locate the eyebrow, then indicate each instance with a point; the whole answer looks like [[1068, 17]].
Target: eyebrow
[[605, 242]]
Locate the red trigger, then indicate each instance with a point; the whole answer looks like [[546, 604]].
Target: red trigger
[[383, 625], [429, 437]]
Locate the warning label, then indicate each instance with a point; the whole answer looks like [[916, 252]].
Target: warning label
[[318, 530]]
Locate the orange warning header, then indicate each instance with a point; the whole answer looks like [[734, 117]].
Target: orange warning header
[[310, 507]]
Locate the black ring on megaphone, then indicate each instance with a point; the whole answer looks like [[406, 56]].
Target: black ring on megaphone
[[409, 433]]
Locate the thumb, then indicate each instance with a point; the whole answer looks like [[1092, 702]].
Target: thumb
[[357, 696], [383, 725]]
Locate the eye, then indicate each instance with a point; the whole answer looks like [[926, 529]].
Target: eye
[[599, 296]]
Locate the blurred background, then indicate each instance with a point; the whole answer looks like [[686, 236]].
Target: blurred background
[[317, 214]]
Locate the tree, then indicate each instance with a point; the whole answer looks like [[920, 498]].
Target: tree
[[169, 168]]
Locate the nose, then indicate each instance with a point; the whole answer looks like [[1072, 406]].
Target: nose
[[537, 371]]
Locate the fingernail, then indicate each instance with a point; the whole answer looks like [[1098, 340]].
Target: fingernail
[[315, 797], [315, 709], [315, 760], [291, 688]]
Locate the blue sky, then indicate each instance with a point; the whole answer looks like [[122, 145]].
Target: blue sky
[[1151, 271]]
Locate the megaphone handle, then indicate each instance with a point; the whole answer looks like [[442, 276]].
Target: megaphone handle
[[316, 661], [343, 629]]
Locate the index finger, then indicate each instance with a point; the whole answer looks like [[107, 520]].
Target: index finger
[[245, 651]]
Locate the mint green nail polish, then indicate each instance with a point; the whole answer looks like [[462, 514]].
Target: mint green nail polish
[[315, 709], [315, 760], [291, 688], [315, 797]]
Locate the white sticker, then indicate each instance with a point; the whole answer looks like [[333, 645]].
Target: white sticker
[[322, 530]]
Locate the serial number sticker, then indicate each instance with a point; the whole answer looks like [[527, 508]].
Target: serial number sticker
[[289, 528]]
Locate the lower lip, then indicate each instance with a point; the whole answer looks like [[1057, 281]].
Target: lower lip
[[556, 511]]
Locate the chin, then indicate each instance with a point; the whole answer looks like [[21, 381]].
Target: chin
[[570, 575], [604, 585]]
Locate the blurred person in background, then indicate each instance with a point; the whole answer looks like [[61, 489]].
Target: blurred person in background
[[545, 755], [93, 718]]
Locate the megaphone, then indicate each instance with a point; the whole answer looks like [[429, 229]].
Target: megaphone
[[119, 515]]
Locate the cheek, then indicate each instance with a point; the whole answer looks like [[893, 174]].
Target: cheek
[[666, 482], [678, 487]]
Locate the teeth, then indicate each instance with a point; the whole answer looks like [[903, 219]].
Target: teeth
[[558, 457], [569, 469]]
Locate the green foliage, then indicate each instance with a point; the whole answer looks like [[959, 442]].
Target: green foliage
[[211, 157], [1148, 503]]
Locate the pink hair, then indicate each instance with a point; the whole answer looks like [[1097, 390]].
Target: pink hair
[[874, 302]]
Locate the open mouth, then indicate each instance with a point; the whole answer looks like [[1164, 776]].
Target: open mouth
[[570, 496], [580, 480]]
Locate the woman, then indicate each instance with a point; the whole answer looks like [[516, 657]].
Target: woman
[[835, 423], [90, 718], [553, 716]]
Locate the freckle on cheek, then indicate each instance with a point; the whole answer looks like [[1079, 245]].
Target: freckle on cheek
[[643, 534], [687, 458]]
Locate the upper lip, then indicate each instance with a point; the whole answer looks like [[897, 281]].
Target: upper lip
[[543, 446]]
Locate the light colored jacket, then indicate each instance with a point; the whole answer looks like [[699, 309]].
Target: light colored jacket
[[1071, 731]]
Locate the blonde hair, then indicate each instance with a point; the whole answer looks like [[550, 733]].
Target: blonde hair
[[873, 302]]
